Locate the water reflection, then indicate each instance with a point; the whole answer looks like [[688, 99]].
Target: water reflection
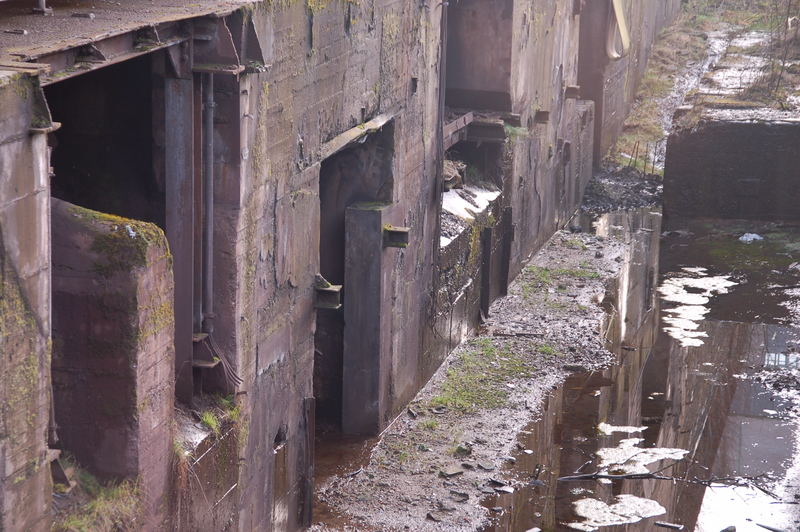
[[694, 396]]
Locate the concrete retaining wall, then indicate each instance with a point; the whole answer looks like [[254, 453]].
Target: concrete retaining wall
[[732, 169], [612, 83], [25, 485]]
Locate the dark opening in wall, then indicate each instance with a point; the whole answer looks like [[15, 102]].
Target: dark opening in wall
[[479, 38], [102, 157], [360, 173], [112, 282]]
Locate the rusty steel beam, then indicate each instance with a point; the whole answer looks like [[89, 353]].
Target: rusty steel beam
[[77, 60], [456, 131]]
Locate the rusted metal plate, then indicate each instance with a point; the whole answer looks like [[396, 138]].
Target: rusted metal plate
[[62, 31]]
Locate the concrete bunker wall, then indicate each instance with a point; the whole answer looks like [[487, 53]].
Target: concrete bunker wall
[[552, 152], [479, 47], [361, 173], [25, 484], [612, 83], [730, 169]]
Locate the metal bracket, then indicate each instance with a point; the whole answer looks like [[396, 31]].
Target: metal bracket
[[214, 49], [90, 54], [327, 296]]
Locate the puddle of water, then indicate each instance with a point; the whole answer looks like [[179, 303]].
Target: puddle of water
[[337, 455], [689, 411]]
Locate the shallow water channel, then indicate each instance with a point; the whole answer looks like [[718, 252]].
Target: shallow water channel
[[700, 318]]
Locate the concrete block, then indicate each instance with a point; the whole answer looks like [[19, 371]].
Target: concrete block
[[113, 357]]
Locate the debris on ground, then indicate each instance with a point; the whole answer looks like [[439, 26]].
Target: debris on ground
[[469, 415], [617, 188]]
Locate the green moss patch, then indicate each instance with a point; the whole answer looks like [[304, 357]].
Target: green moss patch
[[478, 378]]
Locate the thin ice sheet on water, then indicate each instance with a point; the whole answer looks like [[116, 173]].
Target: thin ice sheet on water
[[630, 459], [608, 430], [626, 509]]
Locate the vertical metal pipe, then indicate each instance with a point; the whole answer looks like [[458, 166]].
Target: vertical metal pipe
[[208, 200]]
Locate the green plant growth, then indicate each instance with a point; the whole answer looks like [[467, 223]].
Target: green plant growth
[[477, 380], [514, 133], [547, 350], [537, 277], [230, 410], [429, 424], [100, 506], [211, 421], [575, 243]]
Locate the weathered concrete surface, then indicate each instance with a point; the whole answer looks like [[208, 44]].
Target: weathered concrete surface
[[612, 83], [25, 483], [327, 68], [113, 374], [365, 378], [730, 156], [479, 54], [329, 73], [733, 169], [205, 472]]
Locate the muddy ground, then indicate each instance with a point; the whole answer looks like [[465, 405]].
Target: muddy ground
[[432, 467]]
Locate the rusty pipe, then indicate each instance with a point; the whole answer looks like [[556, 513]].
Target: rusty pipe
[[208, 203]]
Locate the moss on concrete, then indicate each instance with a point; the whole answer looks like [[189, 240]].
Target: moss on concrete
[[121, 243]]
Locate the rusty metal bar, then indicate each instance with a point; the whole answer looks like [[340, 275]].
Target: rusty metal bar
[[208, 196]]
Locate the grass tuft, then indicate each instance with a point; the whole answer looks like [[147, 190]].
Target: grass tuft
[[477, 380]]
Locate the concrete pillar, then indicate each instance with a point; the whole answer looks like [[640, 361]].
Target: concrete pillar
[[367, 359], [180, 219], [113, 355], [25, 486]]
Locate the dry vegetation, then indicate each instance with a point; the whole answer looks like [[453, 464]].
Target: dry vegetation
[[686, 41]]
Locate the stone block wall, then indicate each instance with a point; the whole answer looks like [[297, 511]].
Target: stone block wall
[[112, 365], [25, 485]]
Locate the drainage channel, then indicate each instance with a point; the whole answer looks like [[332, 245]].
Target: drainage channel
[[695, 427]]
